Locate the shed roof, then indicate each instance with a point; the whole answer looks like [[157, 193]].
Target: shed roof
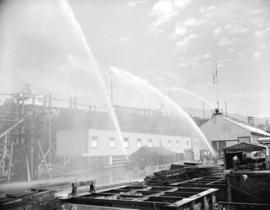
[[244, 147]]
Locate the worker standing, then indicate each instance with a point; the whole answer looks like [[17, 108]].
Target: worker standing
[[235, 161]]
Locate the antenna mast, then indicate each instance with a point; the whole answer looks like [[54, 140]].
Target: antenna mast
[[216, 83]]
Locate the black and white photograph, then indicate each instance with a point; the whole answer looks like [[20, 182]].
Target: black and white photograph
[[135, 104]]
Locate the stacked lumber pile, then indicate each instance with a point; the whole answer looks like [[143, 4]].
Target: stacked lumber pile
[[41, 199], [178, 173]]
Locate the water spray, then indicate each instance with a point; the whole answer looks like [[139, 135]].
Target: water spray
[[192, 94], [146, 85], [69, 16]]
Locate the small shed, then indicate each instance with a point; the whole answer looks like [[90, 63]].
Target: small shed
[[241, 149]]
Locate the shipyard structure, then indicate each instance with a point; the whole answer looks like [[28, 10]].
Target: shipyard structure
[[41, 139], [223, 131]]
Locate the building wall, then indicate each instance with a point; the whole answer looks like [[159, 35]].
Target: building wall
[[69, 142], [254, 138], [223, 133], [95, 142], [220, 129], [130, 120]]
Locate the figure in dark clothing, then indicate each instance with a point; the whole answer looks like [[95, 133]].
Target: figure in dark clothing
[[235, 161], [244, 158], [92, 186]]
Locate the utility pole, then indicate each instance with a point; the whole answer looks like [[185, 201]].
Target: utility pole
[[226, 112]]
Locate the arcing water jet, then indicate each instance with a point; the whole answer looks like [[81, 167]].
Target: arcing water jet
[[91, 62], [192, 94], [124, 75]]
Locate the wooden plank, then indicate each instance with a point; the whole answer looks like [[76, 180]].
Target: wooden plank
[[115, 203], [92, 207], [215, 181], [193, 198], [244, 204], [186, 181]]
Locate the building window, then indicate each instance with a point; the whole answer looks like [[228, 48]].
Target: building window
[[177, 144], [139, 143], [169, 143], [150, 143], [112, 142], [94, 141], [110, 161], [126, 143]]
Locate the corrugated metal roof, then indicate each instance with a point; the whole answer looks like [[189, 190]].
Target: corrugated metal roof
[[247, 127]]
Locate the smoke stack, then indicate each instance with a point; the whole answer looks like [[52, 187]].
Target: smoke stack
[[250, 120]]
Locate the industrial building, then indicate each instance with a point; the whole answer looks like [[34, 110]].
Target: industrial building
[[105, 144], [43, 139], [97, 141], [222, 131]]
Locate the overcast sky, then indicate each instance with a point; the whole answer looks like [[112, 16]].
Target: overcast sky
[[169, 43]]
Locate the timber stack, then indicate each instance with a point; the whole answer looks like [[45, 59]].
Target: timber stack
[[178, 172]]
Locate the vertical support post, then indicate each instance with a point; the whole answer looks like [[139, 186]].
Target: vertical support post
[[192, 205], [205, 203], [31, 158], [5, 153], [229, 189], [214, 201], [10, 162], [27, 169], [50, 138]]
